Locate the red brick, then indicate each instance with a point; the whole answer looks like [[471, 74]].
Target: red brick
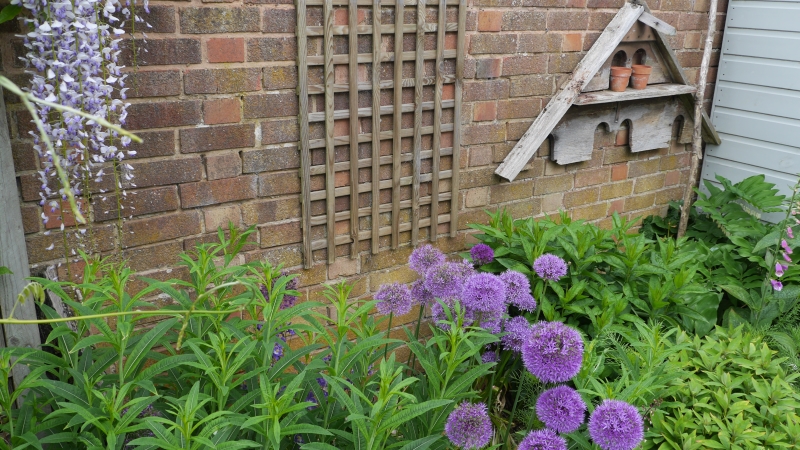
[[270, 159], [572, 42], [163, 114], [218, 191], [55, 213], [283, 20], [480, 156], [167, 171], [488, 68], [159, 255], [160, 18], [486, 90], [137, 203], [279, 183], [160, 228], [271, 49], [280, 104], [154, 143], [223, 165], [222, 50], [24, 156], [279, 131], [280, 77], [221, 110], [519, 19], [161, 52], [619, 172], [103, 239], [217, 138], [484, 111], [490, 20], [622, 137], [673, 178], [153, 83], [524, 65], [220, 20], [222, 81]]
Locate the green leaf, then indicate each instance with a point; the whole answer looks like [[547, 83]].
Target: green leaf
[[3, 269], [9, 12], [421, 444]]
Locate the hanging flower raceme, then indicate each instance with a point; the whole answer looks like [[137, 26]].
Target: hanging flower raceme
[[554, 352], [469, 426], [550, 267], [616, 425], [561, 408], [545, 439], [394, 298], [481, 254]]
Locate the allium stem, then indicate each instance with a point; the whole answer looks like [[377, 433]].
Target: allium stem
[[514, 407], [388, 332], [412, 357]]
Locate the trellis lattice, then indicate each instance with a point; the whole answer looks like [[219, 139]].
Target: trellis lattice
[[379, 140]]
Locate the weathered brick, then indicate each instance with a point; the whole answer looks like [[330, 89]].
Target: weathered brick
[[484, 111], [515, 129], [218, 191], [592, 212], [55, 215], [490, 20], [531, 85], [539, 43], [280, 20], [195, 140], [668, 195], [573, 42], [154, 143], [384, 260], [615, 155], [271, 49], [103, 239], [476, 197], [270, 159], [616, 206], [616, 190], [481, 134], [524, 64], [273, 235], [225, 50], [271, 210], [223, 165], [168, 171], [581, 197], [553, 168], [548, 185], [507, 192], [161, 52], [164, 114], [221, 110], [279, 131], [222, 81], [278, 183], [672, 178], [30, 219], [342, 267], [488, 68], [605, 3], [519, 108], [493, 43], [677, 5], [646, 167], [480, 156], [160, 18], [280, 77], [486, 90], [522, 20], [153, 83], [591, 177], [222, 217], [137, 203], [400, 275], [639, 202], [553, 202], [649, 183], [564, 62], [160, 228], [567, 20], [24, 156], [599, 20], [150, 257], [220, 20], [278, 104]]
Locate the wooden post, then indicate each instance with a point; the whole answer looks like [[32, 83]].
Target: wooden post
[[697, 140], [13, 254]]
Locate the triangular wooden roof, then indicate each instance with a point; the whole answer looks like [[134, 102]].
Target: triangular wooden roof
[[602, 49]]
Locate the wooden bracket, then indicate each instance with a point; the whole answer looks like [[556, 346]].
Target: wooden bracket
[[649, 19]]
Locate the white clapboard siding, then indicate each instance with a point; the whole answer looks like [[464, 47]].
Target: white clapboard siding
[[756, 107]]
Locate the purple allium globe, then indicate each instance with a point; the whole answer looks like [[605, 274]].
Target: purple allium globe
[[554, 352], [445, 280], [420, 292], [394, 298], [439, 313], [545, 439], [550, 267], [490, 356], [492, 321], [561, 408], [616, 425], [424, 258], [518, 290], [481, 254], [484, 292], [518, 331], [468, 426]]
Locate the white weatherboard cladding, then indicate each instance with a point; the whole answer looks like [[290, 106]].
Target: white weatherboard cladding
[[756, 107]]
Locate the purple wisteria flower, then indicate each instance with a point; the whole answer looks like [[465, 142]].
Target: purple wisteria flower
[[518, 290], [424, 258], [481, 254], [518, 331], [616, 425], [468, 426], [550, 267], [554, 352], [561, 408], [393, 298], [484, 292], [447, 280], [545, 439], [420, 292]]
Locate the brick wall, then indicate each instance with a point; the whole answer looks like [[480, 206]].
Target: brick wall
[[214, 101]]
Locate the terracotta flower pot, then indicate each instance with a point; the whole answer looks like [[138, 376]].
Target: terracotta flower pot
[[641, 74], [619, 78]]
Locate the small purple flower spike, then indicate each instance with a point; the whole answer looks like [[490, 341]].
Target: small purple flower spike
[[561, 408], [616, 425], [550, 267], [481, 254], [777, 285], [779, 269], [786, 247], [789, 232], [468, 426], [545, 439]]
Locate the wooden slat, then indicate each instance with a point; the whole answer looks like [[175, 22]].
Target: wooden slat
[[385, 57], [529, 143], [354, 126], [330, 154], [305, 152], [651, 91], [384, 208], [384, 135], [382, 84], [437, 123], [398, 121], [343, 30], [383, 160], [420, 47], [376, 123], [384, 231], [367, 112], [390, 3], [456, 165], [652, 21], [384, 184]]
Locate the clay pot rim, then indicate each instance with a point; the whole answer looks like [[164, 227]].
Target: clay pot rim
[[641, 69], [620, 70]]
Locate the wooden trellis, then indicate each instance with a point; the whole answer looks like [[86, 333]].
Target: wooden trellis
[[364, 178]]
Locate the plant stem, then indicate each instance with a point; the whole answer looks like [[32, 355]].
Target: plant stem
[[115, 314], [412, 357], [388, 332], [514, 409]]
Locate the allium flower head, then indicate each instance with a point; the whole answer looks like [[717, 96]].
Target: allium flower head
[[545, 439], [616, 425], [518, 331], [492, 321], [393, 298], [490, 356], [420, 292], [518, 290], [447, 280], [468, 426], [561, 408], [550, 267], [484, 292], [425, 257], [554, 352], [481, 254]]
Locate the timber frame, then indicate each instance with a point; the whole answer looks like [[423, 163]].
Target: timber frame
[[576, 89]]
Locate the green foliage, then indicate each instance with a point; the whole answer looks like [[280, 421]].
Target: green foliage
[[737, 396], [9, 12]]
